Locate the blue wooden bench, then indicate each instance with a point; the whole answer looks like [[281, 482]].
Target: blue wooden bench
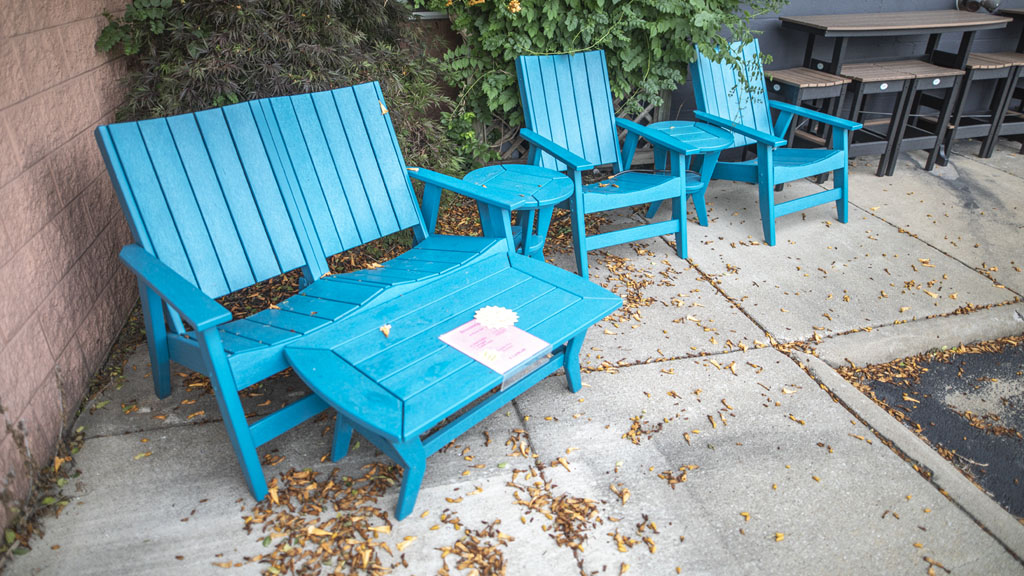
[[222, 199]]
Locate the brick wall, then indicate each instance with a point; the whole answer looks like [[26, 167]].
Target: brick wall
[[63, 294]]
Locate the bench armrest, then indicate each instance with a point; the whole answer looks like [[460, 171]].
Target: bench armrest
[[196, 307], [815, 115], [755, 135], [569, 158], [474, 191], [655, 137]]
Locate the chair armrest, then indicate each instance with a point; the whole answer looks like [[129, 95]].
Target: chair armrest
[[815, 115], [571, 159], [196, 307], [756, 135], [655, 137], [479, 193]]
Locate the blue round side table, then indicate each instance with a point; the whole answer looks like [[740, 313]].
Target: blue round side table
[[543, 186], [709, 142]]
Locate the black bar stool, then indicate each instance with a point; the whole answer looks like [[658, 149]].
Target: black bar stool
[[915, 135], [802, 85], [879, 134], [1002, 67]]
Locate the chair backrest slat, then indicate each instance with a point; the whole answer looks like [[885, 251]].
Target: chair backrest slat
[[231, 196], [566, 98], [720, 91]]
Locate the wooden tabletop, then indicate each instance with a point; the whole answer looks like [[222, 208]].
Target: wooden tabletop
[[895, 23], [1012, 11]]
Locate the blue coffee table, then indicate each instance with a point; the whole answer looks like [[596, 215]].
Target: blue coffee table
[[708, 141], [543, 188]]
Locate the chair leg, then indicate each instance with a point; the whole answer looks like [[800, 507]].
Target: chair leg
[[579, 238], [342, 438], [679, 215], [230, 406], [156, 340], [414, 461], [766, 192], [571, 362]]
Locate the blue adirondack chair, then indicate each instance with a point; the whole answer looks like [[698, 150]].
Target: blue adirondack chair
[[571, 127], [224, 198], [724, 100]]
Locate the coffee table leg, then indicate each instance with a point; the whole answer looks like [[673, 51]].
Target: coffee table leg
[[572, 362], [543, 223], [414, 460], [342, 438]]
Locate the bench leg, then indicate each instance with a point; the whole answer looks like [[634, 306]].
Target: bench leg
[[231, 410], [414, 460], [342, 438], [572, 362]]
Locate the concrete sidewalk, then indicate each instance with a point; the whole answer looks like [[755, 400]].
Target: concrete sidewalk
[[707, 438]]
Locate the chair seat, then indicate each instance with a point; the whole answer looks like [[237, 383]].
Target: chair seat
[[629, 189], [805, 77], [254, 345], [790, 164]]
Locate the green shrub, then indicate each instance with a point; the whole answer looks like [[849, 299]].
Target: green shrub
[[187, 55], [647, 43]]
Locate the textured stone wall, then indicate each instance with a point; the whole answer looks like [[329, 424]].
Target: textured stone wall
[[63, 293]]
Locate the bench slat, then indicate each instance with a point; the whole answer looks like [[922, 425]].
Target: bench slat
[[423, 339], [149, 200], [368, 173], [265, 187], [192, 230], [259, 252], [384, 153], [216, 215]]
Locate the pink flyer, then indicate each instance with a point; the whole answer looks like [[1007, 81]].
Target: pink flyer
[[500, 349]]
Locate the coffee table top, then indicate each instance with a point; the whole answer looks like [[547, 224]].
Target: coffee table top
[[546, 187], [400, 384], [703, 137]]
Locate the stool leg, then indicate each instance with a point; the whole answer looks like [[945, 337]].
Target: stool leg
[[414, 461], [943, 127], [898, 124], [855, 108], [989, 145], [342, 438], [571, 362], [958, 111]]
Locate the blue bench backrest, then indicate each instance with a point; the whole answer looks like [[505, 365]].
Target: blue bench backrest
[[231, 196], [720, 91], [567, 99]]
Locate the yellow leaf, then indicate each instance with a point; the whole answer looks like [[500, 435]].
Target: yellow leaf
[[779, 536], [386, 330]]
